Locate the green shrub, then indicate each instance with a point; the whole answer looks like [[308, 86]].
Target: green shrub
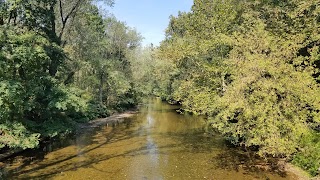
[[16, 135], [308, 158]]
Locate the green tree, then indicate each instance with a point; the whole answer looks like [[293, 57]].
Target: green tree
[[34, 99], [251, 66], [100, 48]]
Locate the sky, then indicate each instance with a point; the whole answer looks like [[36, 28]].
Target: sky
[[149, 17]]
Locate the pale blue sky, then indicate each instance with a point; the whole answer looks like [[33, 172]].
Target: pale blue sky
[[149, 17]]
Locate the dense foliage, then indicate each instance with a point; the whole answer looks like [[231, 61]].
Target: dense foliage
[[61, 62], [253, 68]]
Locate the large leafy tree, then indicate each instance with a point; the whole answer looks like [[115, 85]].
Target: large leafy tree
[[101, 47], [252, 67], [34, 99]]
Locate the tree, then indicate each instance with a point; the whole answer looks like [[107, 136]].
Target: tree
[[100, 47], [34, 99], [251, 66]]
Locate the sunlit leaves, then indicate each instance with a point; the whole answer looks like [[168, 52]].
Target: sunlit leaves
[[251, 66], [15, 135]]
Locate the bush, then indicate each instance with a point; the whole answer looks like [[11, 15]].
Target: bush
[[308, 158], [16, 135]]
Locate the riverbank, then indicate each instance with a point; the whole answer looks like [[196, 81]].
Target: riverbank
[[300, 173], [116, 118], [120, 117], [113, 119]]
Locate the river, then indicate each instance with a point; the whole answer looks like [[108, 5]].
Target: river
[[157, 144]]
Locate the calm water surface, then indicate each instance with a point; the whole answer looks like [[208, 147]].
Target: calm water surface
[[155, 144]]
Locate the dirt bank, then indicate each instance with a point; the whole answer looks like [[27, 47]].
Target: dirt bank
[[300, 174], [116, 118]]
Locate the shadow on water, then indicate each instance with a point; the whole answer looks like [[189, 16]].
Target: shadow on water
[[249, 162], [230, 158], [71, 166], [64, 158], [157, 135]]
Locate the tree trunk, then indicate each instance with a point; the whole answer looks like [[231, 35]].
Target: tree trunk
[[101, 89]]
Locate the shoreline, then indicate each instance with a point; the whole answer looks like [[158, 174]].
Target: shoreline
[[298, 172], [115, 118], [120, 117]]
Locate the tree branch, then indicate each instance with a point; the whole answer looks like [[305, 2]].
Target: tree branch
[[61, 10], [65, 20]]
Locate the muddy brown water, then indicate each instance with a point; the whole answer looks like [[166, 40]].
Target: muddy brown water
[[157, 144]]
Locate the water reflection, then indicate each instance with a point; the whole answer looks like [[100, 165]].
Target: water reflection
[[157, 143]]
